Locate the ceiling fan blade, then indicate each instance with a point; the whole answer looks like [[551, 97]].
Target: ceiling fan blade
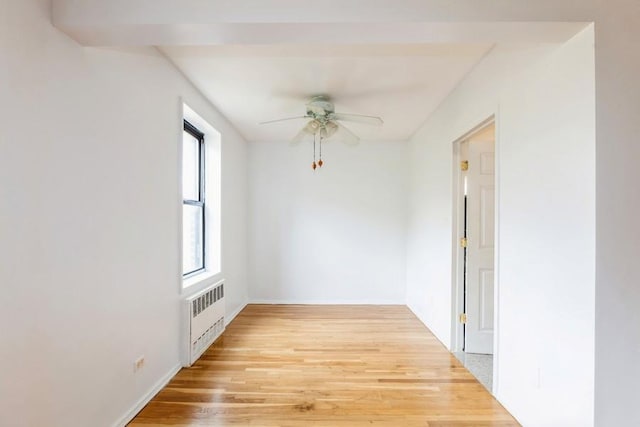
[[359, 118], [300, 136], [346, 136], [282, 120]]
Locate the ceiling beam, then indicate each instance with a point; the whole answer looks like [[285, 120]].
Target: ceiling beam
[[198, 22], [332, 34]]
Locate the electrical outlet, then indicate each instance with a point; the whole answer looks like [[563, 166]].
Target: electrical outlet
[[138, 364]]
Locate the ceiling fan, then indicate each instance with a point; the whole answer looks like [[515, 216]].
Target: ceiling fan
[[324, 123]]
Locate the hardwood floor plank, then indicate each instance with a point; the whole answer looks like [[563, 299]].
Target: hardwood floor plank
[[304, 365]]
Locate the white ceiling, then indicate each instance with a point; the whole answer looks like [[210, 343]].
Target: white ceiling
[[402, 83], [394, 58]]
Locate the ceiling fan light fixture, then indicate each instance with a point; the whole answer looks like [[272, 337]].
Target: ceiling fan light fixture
[[312, 127], [325, 122], [331, 128]]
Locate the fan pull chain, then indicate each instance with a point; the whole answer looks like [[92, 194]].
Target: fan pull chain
[[320, 162], [313, 165]]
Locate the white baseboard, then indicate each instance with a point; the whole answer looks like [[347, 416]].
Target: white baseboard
[[228, 319], [148, 396], [419, 315], [325, 302]]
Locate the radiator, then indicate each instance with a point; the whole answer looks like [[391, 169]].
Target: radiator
[[204, 313]]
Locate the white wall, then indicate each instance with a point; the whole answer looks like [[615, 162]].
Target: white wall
[[429, 238], [618, 228], [544, 101], [89, 222], [335, 235]]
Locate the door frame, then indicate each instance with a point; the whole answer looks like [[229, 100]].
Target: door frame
[[457, 265]]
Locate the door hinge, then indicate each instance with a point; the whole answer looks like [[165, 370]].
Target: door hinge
[[463, 318], [463, 242], [464, 165]]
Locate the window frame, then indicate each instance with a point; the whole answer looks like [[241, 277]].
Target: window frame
[[200, 202]]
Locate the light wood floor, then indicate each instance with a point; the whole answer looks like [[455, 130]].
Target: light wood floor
[[296, 365]]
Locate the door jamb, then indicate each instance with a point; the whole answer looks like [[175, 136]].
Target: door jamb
[[457, 275]]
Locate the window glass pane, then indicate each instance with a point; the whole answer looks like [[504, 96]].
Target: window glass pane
[[192, 242], [190, 167]]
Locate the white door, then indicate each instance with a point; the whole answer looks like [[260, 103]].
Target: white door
[[480, 242]]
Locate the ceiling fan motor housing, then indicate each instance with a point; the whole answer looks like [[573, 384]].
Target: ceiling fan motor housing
[[320, 106]]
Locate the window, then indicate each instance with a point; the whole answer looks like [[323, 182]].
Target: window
[[193, 200], [201, 194]]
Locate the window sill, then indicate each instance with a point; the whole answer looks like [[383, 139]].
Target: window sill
[[203, 278]]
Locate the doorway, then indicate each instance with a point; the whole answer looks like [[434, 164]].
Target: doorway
[[474, 233]]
